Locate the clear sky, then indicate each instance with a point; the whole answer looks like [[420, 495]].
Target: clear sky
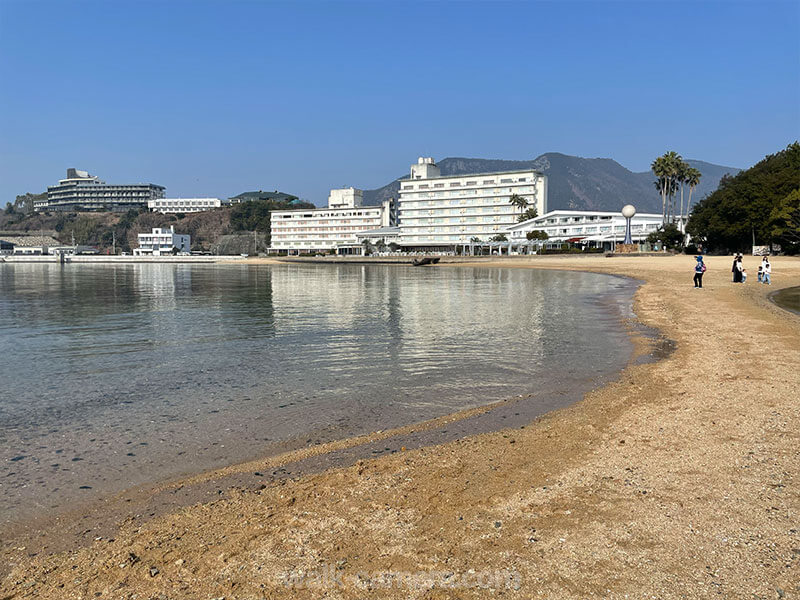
[[214, 98]]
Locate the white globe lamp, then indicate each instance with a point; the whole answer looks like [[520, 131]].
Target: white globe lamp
[[628, 211]]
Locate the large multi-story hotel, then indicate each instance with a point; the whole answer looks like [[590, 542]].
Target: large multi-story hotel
[[324, 229], [184, 205], [81, 191], [437, 212]]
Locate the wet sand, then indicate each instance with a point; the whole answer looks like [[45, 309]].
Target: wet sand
[[676, 480]]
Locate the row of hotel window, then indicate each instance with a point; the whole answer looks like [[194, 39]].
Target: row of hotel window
[[80, 194], [487, 210], [602, 229], [337, 215], [186, 203], [326, 229], [425, 186], [461, 193]]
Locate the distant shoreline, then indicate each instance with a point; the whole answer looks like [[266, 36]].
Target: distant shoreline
[[109, 259]]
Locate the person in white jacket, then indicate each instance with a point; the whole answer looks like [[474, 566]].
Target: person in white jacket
[[766, 269]]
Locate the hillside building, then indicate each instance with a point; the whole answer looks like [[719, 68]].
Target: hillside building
[[184, 205], [81, 191], [275, 196], [439, 213], [325, 229]]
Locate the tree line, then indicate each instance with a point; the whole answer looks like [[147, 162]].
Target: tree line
[[758, 206]]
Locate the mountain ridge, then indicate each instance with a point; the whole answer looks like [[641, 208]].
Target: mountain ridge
[[576, 183]]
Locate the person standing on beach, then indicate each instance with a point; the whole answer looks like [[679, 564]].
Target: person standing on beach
[[699, 269], [760, 271], [767, 271], [738, 267], [733, 268]]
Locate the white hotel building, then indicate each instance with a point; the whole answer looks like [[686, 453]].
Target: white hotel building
[[324, 229], [598, 229], [184, 205], [439, 213]]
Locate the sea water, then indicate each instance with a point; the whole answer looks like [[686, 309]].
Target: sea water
[[117, 375]]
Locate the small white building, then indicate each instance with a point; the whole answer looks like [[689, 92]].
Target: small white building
[[161, 241], [598, 229], [325, 229], [184, 205]]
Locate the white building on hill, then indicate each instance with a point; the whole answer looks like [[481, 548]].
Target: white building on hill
[[440, 213], [161, 241], [325, 229], [184, 205]]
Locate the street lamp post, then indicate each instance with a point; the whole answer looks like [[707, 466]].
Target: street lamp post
[[628, 211]]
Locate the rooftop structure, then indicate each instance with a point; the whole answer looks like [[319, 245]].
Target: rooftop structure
[[81, 191], [275, 196]]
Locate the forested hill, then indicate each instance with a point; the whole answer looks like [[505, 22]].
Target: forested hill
[[575, 182]]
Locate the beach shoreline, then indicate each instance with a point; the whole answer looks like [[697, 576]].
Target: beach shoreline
[[561, 444]]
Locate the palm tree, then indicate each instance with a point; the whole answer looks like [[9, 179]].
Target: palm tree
[[692, 180], [518, 202], [529, 214], [683, 173], [666, 168]]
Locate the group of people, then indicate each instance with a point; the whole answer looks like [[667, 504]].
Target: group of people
[[740, 273], [738, 270]]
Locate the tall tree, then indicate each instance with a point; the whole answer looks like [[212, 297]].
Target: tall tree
[[519, 202], [741, 208], [666, 169], [785, 219], [682, 176], [692, 180]]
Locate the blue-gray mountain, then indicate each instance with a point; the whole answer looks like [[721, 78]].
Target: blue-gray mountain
[[577, 183]]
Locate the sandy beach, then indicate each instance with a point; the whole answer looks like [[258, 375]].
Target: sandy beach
[[678, 480]]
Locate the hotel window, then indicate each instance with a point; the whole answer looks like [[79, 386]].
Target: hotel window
[[438, 185], [472, 182], [408, 187], [455, 184]]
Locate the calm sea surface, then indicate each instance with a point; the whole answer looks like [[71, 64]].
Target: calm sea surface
[[112, 376], [788, 298]]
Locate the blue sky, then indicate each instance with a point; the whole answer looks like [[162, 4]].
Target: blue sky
[[218, 97]]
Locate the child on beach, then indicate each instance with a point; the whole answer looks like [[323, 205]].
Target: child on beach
[[760, 272], [767, 272], [699, 269], [744, 275]]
